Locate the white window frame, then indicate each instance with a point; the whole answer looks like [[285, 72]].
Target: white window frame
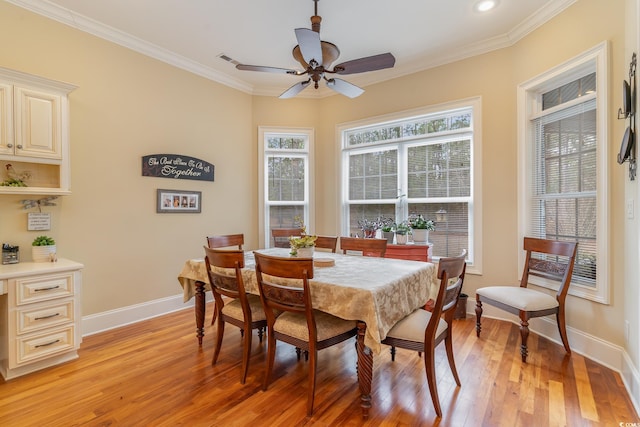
[[264, 152], [474, 265], [529, 104]]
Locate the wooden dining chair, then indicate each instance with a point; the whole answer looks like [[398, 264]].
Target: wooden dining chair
[[225, 241], [244, 310], [549, 259], [327, 242], [368, 247], [298, 324], [281, 236], [422, 330]]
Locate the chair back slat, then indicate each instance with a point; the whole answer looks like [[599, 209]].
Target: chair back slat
[[559, 270], [226, 240], [327, 242], [281, 236], [230, 285], [368, 247], [284, 296]]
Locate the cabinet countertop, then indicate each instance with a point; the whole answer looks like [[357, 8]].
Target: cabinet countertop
[[22, 269]]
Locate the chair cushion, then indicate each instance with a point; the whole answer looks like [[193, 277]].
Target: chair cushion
[[412, 327], [328, 326], [234, 309], [520, 298]]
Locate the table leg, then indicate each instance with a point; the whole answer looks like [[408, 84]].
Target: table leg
[[365, 370], [200, 310]]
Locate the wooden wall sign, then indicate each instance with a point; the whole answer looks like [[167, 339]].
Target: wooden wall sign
[[177, 167]]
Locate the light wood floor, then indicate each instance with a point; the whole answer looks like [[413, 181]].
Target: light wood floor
[[154, 374]]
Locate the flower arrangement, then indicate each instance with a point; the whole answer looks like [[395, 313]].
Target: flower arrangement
[[403, 228], [368, 227], [303, 241], [386, 224], [418, 222]]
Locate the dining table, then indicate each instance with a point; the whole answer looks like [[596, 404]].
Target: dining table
[[374, 292]]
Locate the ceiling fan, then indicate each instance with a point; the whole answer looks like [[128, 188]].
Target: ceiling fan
[[316, 57]]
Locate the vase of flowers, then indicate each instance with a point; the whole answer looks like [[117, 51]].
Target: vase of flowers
[[43, 248], [420, 227], [386, 227], [369, 228], [402, 232], [302, 246]]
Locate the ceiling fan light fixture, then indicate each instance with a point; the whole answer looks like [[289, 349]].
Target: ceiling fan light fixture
[[485, 5]]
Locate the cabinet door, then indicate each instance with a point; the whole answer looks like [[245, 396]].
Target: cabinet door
[[38, 119], [6, 119]]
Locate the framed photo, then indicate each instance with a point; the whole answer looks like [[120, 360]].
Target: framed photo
[[178, 201]]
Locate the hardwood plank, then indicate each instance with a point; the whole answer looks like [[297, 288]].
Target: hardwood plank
[[153, 373]]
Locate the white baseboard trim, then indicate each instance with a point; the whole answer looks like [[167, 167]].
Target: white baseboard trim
[[610, 355], [100, 322]]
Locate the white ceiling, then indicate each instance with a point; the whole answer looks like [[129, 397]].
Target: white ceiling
[[191, 34]]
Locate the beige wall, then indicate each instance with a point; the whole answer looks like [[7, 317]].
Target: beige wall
[[128, 105]]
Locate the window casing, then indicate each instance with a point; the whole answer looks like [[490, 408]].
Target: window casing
[[286, 174], [425, 162], [563, 170]]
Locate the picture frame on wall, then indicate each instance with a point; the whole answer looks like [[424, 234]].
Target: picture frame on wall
[[178, 201]]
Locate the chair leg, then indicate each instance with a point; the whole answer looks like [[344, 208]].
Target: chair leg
[[524, 333], [478, 316], [298, 353], [430, 367], [260, 333], [219, 337], [271, 355], [393, 353], [246, 355], [312, 380], [448, 343], [562, 328]]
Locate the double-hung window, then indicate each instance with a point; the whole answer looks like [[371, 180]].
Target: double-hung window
[[286, 179], [563, 157], [422, 162]]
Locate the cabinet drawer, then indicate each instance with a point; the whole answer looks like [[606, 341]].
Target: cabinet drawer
[[31, 319], [38, 346], [43, 288]]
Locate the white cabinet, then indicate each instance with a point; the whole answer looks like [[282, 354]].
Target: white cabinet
[[34, 132], [40, 315]]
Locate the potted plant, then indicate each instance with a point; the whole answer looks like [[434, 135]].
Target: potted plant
[[302, 246], [402, 230], [386, 226], [368, 227], [43, 248], [420, 227]]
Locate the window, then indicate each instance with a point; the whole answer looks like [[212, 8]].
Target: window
[[286, 175], [563, 150], [419, 162]]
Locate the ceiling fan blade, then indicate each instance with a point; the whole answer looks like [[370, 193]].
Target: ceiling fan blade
[[309, 42], [245, 67], [369, 63], [294, 90], [344, 87]]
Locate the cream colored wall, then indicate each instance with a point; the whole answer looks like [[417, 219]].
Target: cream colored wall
[[128, 105]]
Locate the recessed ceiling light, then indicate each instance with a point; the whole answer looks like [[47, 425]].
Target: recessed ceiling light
[[485, 5]]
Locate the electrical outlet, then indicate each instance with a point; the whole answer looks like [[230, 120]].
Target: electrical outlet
[[630, 209], [626, 330]]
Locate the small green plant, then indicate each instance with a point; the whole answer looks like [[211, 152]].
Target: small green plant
[[386, 224], [403, 228], [418, 222], [43, 241]]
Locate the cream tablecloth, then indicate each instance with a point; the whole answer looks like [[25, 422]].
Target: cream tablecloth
[[378, 291]]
